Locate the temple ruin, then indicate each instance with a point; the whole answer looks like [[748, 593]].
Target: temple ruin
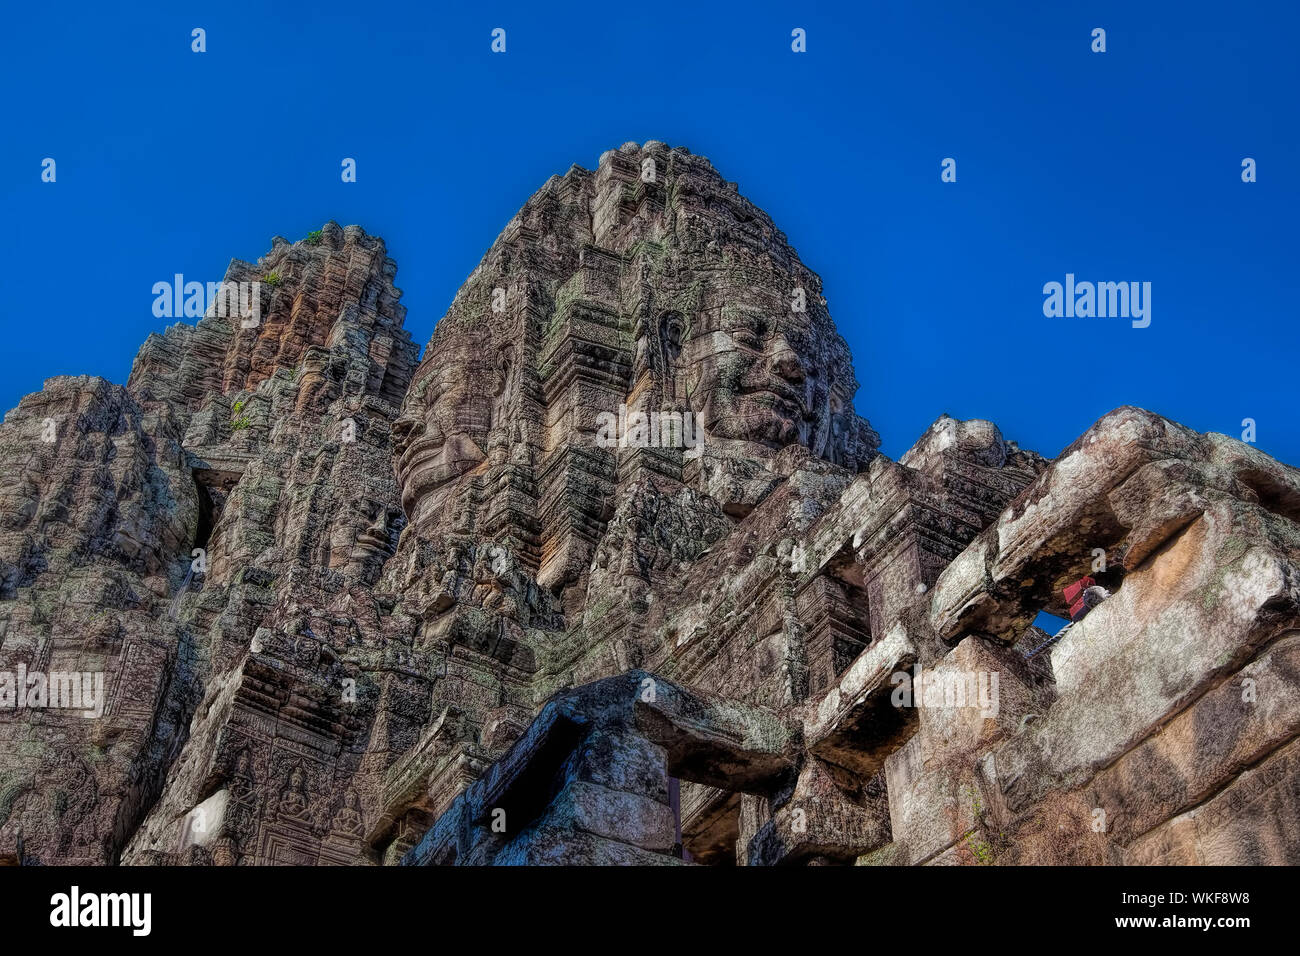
[[358, 608]]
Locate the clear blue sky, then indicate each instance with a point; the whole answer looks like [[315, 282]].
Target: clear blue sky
[[1117, 166]]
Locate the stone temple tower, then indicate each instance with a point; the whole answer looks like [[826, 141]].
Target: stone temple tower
[[616, 574]]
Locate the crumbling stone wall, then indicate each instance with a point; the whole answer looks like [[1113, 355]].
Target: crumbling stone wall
[[1161, 730]]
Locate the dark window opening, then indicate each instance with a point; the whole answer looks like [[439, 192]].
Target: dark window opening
[[710, 826], [207, 516]]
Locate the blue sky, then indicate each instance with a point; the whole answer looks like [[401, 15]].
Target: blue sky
[[1122, 166]]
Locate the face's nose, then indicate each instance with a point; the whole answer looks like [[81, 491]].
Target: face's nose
[[785, 363]]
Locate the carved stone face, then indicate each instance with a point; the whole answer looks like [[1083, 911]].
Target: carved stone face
[[700, 318], [752, 376], [441, 432]]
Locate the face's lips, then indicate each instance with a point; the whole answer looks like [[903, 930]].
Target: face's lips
[[368, 538], [779, 392], [413, 452], [446, 458]]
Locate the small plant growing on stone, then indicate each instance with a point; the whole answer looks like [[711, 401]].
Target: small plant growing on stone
[[980, 850], [272, 279], [314, 236]]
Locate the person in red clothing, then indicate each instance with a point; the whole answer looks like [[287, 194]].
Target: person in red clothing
[[1084, 595]]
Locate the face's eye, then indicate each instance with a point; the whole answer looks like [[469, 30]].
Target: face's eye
[[426, 390], [750, 334]]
